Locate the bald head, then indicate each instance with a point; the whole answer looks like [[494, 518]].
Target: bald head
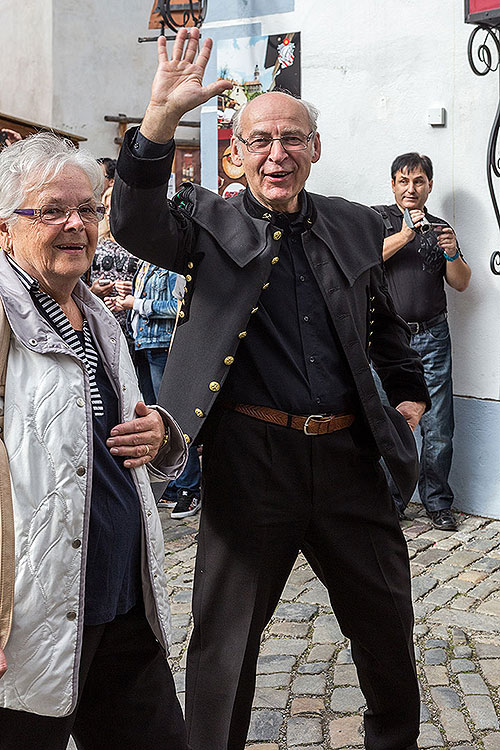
[[274, 101]]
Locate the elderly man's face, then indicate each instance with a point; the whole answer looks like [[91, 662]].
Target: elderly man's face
[[276, 178], [62, 252]]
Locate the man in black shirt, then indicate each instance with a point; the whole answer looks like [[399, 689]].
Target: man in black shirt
[[417, 263], [284, 299]]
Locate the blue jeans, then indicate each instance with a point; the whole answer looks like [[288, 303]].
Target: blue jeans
[[190, 478], [437, 425]]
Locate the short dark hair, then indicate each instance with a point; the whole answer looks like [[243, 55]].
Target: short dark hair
[[109, 166], [412, 161]]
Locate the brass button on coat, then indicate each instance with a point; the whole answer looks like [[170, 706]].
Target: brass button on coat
[[277, 235], [265, 285], [199, 412], [190, 264], [182, 314], [76, 543], [81, 471], [187, 438], [254, 310], [214, 386], [242, 335], [229, 360], [189, 277], [275, 260]]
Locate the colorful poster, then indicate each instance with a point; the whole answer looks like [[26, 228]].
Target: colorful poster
[[255, 65]]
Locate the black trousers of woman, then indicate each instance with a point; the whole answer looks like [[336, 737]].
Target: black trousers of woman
[[126, 701], [269, 492]]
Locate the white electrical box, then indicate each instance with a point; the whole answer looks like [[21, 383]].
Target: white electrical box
[[437, 117]]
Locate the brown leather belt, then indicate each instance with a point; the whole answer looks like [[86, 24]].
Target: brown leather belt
[[314, 424]]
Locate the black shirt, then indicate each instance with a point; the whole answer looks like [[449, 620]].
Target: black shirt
[[291, 358], [415, 274], [113, 575]]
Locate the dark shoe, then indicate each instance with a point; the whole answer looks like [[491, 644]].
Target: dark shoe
[[444, 520], [187, 504], [401, 514]]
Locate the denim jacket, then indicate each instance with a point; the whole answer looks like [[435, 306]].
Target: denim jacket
[[152, 319]]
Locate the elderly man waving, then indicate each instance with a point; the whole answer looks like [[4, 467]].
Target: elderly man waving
[[285, 306]]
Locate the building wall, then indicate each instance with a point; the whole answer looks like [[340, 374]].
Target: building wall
[[374, 70]]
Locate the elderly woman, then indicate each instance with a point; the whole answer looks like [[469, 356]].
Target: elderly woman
[[86, 654]]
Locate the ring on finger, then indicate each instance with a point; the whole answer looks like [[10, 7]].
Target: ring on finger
[[147, 450]]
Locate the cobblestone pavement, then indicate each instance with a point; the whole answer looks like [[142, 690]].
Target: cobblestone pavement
[[307, 692]]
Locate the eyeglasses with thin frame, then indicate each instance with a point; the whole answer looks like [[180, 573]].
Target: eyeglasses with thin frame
[[50, 214], [262, 145]]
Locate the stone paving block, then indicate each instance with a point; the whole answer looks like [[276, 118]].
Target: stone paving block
[[265, 726], [444, 572], [309, 684], [301, 729], [347, 700], [318, 667], [491, 670], [468, 620], [485, 588], [283, 646], [440, 596], [463, 602], [430, 737], [492, 741], [462, 665], [345, 732], [270, 698], [445, 697], [282, 679], [458, 635], [421, 629], [473, 684], [345, 674], [474, 576], [422, 609], [462, 558], [455, 728], [436, 675], [322, 652], [489, 564], [422, 585], [435, 656], [462, 586], [345, 656], [260, 746], [482, 711], [180, 682], [431, 556], [487, 650], [327, 630], [270, 664], [462, 652], [296, 612], [302, 574], [436, 643], [424, 713], [307, 706], [490, 607], [292, 629], [316, 595]]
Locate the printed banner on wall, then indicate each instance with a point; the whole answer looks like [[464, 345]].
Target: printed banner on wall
[[477, 11], [255, 65]]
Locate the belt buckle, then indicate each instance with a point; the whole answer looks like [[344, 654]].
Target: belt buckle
[[414, 328], [313, 416]]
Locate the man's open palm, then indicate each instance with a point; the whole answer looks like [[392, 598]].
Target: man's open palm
[[178, 83]]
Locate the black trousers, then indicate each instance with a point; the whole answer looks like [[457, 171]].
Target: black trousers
[[270, 492], [126, 700]]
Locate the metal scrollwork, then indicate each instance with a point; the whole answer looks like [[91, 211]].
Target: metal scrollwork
[[488, 54], [193, 11]]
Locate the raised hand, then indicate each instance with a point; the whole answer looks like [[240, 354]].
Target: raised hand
[[178, 85]]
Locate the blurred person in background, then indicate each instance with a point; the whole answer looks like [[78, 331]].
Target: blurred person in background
[[153, 310]]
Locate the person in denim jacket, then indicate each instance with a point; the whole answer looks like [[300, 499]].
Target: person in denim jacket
[[152, 313]]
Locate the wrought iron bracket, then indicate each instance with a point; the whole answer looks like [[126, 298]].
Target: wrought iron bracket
[[483, 59], [193, 14]]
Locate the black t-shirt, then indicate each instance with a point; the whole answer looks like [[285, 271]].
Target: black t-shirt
[[415, 274]]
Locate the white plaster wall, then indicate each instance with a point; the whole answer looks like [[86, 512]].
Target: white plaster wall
[[374, 70], [26, 59]]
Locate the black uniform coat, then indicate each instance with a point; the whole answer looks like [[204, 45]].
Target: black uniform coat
[[227, 258]]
